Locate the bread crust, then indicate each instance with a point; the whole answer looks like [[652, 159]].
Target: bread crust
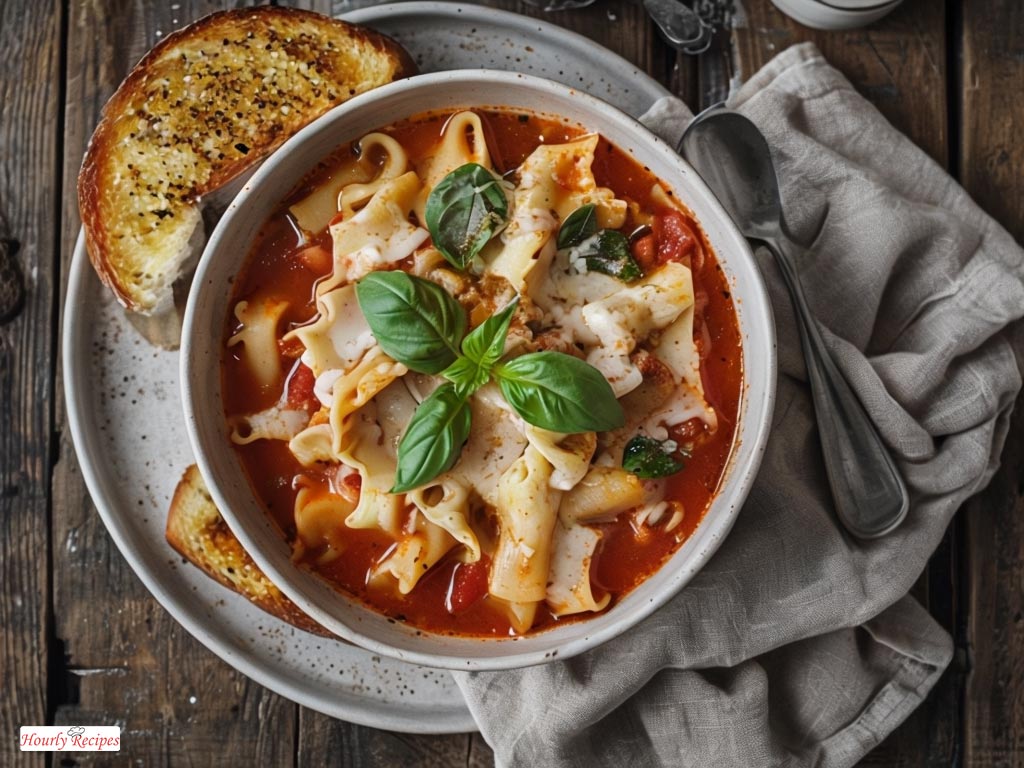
[[196, 530], [97, 160]]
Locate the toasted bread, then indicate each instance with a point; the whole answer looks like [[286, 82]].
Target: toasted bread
[[197, 531], [202, 107]]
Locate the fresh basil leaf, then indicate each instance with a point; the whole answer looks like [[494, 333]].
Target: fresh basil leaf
[[414, 320], [578, 226], [467, 375], [607, 252], [486, 342], [555, 391], [646, 457], [433, 440], [464, 210]]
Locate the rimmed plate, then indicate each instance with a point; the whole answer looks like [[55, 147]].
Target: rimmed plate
[[126, 421]]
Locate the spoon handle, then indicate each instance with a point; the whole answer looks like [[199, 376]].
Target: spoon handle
[[870, 496]]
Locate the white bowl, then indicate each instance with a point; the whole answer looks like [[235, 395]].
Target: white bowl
[[836, 14], [209, 304]]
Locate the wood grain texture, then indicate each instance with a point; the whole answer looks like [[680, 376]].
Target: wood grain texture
[[356, 746], [899, 64], [992, 80], [994, 700], [30, 83], [992, 171], [125, 660]]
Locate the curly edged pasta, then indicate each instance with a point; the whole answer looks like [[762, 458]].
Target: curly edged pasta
[[524, 525]]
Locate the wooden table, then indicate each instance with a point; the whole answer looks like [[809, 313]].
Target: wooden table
[[82, 639]]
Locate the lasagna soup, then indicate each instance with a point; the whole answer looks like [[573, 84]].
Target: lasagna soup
[[483, 371]]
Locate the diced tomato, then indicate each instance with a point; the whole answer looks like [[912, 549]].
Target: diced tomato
[[675, 239], [316, 259], [300, 388], [645, 252], [468, 586], [688, 431]]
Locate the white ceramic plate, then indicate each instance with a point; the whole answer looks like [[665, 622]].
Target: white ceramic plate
[[126, 421]]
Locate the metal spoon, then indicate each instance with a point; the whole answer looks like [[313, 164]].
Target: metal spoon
[[680, 26], [732, 156]]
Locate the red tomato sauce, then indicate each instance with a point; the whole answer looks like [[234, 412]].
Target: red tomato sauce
[[447, 599]]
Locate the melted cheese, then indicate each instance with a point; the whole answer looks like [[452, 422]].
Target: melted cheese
[[377, 236]]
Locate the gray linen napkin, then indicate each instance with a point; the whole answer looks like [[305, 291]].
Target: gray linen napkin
[[796, 645]]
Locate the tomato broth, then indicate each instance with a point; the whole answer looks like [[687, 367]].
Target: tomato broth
[[286, 266]]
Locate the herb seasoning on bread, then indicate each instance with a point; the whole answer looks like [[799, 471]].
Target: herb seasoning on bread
[[202, 107]]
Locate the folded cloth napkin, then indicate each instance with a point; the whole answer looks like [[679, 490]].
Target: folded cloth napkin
[[797, 645]]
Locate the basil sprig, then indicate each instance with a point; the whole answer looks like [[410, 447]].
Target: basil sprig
[[602, 250], [649, 458], [550, 390], [481, 349], [464, 211]]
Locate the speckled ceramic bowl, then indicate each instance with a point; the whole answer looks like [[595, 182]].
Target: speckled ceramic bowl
[[209, 303]]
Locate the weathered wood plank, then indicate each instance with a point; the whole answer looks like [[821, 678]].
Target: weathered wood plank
[[126, 661], [992, 170], [30, 37], [899, 64], [356, 746], [994, 701], [992, 153]]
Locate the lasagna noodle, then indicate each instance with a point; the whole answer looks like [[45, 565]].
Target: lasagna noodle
[[678, 351], [351, 184], [520, 616], [340, 335], [356, 388], [555, 179], [560, 178], [569, 455], [274, 423], [599, 497], [395, 163], [626, 317], [378, 236], [395, 408], [319, 523], [494, 444], [444, 502], [258, 336], [415, 554], [313, 444], [569, 590], [527, 511], [364, 452], [462, 141]]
